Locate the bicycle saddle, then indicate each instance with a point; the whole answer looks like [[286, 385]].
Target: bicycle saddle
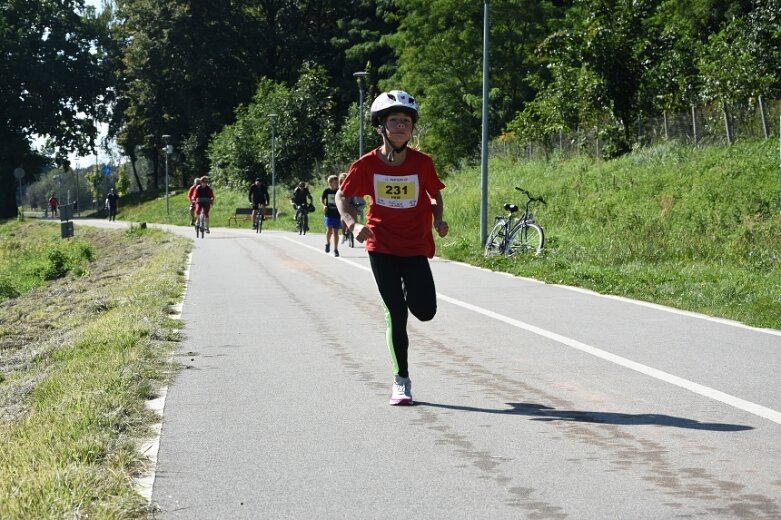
[[512, 208]]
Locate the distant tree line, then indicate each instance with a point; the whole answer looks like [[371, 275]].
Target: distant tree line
[[209, 73]]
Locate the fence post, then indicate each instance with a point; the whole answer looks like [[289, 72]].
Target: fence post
[[726, 122], [762, 115], [694, 126], [666, 127]]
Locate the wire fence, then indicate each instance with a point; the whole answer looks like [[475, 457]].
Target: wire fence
[[701, 125]]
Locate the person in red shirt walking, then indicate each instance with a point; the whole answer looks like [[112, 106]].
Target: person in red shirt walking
[[401, 184], [53, 205]]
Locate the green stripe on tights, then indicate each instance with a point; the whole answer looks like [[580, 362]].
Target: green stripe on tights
[[389, 340]]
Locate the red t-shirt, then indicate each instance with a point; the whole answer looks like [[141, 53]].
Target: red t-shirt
[[400, 214]]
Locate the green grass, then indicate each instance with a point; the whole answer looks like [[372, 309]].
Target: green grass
[[696, 230], [78, 358], [31, 256]]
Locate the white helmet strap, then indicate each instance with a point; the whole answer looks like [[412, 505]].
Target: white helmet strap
[[393, 149]]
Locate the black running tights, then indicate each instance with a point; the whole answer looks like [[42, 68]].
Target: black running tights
[[405, 283]]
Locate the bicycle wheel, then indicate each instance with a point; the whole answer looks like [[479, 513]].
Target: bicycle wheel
[[494, 246], [258, 221], [305, 222], [351, 238], [526, 239]]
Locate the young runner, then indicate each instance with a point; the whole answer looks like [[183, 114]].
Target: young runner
[[401, 183], [333, 221]]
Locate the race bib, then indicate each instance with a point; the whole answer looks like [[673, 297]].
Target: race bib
[[396, 192]]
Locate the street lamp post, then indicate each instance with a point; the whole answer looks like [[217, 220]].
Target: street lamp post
[[78, 206], [169, 149], [484, 151], [359, 76], [273, 118], [19, 173]]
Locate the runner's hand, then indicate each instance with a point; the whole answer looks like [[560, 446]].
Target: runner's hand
[[441, 227], [362, 233]]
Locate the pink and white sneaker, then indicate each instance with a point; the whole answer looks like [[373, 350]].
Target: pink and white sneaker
[[401, 391]]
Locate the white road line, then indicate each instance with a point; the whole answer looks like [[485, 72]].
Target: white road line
[[697, 388], [705, 391], [650, 305]]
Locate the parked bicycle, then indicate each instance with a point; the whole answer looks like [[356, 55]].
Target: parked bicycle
[[512, 235]]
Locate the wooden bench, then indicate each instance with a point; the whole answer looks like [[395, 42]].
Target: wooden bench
[[246, 214]]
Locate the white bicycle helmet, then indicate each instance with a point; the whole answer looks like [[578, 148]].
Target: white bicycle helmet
[[393, 101]]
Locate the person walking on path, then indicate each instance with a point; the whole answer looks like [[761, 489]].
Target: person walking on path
[[111, 204], [401, 184], [53, 204], [333, 220]]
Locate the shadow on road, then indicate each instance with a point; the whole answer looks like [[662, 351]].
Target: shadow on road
[[540, 412]]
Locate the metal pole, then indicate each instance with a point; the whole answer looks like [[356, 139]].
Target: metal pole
[[779, 163], [167, 150], [78, 206], [167, 207], [359, 77], [360, 123], [273, 118], [484, 152]]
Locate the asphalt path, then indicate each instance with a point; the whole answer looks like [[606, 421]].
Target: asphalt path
[[532, 400]]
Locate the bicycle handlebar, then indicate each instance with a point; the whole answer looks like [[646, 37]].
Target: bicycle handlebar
[[532, 198]]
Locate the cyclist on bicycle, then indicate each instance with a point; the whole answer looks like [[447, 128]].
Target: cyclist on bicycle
[[401, 183], [301, 200], [204, 198], [191, 198], [258, 197]]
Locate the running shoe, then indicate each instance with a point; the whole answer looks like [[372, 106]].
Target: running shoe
[[401, 392], [327, 248], [336, 252]]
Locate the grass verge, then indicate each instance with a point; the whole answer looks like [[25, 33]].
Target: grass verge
[[78, 358]]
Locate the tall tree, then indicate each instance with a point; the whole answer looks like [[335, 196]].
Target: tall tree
[[53, 84], [305, 123], [439, 49], [187, 65]]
